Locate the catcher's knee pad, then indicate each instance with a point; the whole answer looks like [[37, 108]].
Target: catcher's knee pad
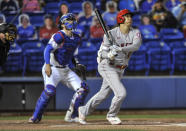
[[50, 90], [79, 98], [43, 102], [82, 92]]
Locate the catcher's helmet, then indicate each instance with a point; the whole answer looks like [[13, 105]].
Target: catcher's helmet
[[9, 30], [65, 19], [120, 18]]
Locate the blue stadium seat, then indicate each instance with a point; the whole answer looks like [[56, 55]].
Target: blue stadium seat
[[138, 60], [75, 7], [178, 60], [14, 59], [153, 43], [159, 58], [11, 18], [127, 4], [36, 19], [177, 44], [145, 6], [169, 34], [96, 42], [170, 5], [33, 56], [51, 7], [87, 55], [136, 19]]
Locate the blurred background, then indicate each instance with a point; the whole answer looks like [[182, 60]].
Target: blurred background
[[154, 79]]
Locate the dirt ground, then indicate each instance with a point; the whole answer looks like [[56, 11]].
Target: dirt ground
[[147, 124]]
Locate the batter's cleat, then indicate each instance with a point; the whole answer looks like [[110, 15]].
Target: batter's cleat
[[31, 120], [81, 117], [114, 120]]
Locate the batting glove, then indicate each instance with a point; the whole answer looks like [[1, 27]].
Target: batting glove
[[117, 48], [111, 55]]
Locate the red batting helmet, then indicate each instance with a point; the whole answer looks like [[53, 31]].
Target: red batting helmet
[[120, 18]]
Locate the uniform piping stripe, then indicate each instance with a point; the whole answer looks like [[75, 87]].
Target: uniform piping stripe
[[63, 39]]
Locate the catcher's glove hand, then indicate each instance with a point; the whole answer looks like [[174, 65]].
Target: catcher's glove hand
[[81, 70]]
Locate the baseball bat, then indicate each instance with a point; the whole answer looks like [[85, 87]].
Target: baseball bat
[[107, 33], [102, 23]]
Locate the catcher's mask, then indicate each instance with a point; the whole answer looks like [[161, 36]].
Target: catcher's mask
[[9, 30], [66, 20]]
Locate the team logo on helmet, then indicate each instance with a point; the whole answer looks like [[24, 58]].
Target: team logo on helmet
[[66, 20], [120, 18]]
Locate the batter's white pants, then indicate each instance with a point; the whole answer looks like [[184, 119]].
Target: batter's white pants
[[111, 82]]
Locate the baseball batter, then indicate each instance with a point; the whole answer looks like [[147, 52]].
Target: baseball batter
[[60, 50], [112, 61]]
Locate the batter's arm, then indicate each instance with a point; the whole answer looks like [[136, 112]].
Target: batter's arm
[[104, 48], [136, 43]]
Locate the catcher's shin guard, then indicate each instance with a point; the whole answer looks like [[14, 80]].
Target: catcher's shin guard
[[43, 102], [79, 98]]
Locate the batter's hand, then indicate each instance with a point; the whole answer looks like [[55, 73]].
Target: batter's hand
[[117, 48], [48, 70], [111, 55]]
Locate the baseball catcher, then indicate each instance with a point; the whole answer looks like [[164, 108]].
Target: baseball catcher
[[8, 34], [60, 50]]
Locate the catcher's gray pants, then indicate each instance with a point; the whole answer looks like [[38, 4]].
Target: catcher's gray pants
[[111, 82]]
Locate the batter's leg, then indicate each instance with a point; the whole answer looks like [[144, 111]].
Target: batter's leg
[[96, 99], [113, 79]]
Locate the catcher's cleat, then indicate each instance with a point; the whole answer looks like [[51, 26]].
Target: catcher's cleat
[[114, 120], [31, 120], [76, 119], [68, 117], [81, 117]]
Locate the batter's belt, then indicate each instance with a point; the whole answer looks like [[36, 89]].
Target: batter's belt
[[119, 66]]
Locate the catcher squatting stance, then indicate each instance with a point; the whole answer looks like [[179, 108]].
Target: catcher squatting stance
[[60, 50], [112, 60]]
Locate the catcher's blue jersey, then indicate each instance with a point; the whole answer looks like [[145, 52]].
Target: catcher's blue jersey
[[64, 47]]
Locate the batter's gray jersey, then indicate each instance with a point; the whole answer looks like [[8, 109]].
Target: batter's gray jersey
[[129, 42], [111, 71]]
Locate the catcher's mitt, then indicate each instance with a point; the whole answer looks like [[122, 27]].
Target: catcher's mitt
[[80, 70]]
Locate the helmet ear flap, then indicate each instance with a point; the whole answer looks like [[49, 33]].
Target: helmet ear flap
[[120, 19]]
